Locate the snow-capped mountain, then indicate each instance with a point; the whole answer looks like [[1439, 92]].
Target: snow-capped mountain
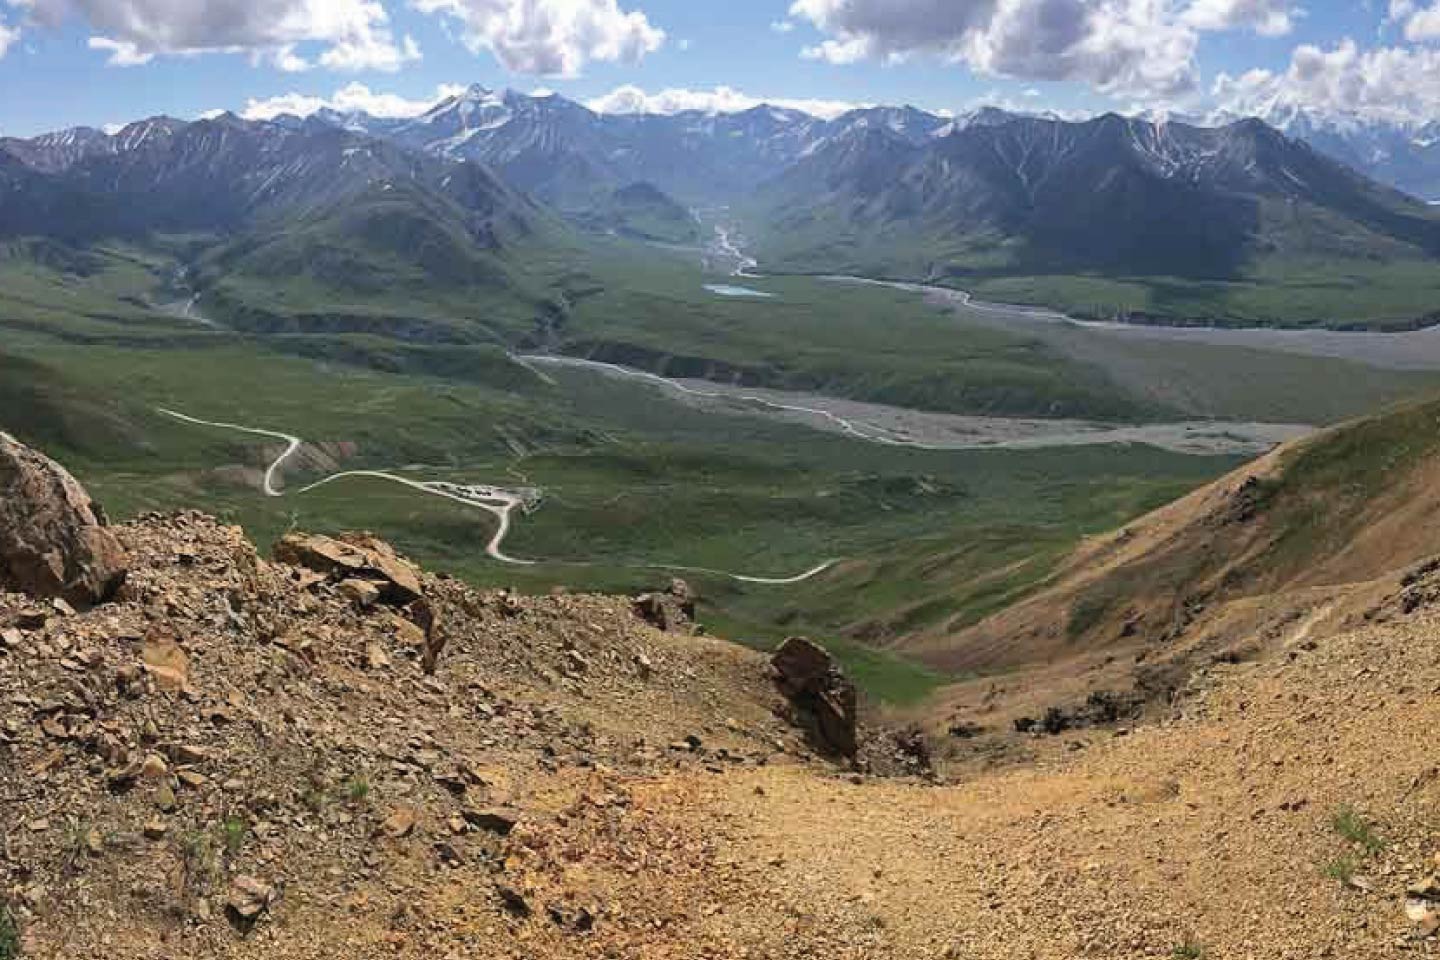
[[225, 173], [569, 155], [1402, 154], [1109, 194]]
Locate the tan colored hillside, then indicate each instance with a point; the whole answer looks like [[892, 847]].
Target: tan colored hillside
[[1306, 541]]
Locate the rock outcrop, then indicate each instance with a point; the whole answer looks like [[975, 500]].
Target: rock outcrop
[[355, 557], [824, 699], [54, 541], [671, 610]]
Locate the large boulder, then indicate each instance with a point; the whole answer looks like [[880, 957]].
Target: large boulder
[[825, 701], [671, 610], [354, 556], [54, 541]]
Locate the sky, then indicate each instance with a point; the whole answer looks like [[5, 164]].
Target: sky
[[106, 62]]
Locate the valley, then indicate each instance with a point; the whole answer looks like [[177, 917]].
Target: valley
[[785, 520], [535, 385], [789, 480], [989, 535]]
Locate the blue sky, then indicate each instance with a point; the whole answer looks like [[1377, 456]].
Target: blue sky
[[100, 62]]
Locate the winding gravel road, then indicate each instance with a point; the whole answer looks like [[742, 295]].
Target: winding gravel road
[[500, 502]]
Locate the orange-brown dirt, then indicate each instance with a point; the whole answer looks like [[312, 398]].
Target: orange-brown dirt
[[1309, 540], [293, 760]]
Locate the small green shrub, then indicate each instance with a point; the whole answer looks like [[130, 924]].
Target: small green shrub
[[1189, 949], [357, 789], [232, 835], [1342, 869], [200, 865], [9, 933], [1351, 825]]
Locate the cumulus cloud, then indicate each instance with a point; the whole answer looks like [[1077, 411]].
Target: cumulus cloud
[[1133, 47], [1140, 48], [1422, 24], [632, 99], [353, 34], [550, 37], [349, 98], [8, 36], [123, 53], [1397, 84], [1271, 18]]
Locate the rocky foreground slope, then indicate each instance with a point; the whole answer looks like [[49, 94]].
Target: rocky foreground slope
[[333, 755]]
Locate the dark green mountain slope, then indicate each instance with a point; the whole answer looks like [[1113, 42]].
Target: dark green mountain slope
[[1112, 198]]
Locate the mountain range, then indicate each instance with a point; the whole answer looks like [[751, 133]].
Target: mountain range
[[445, 200], [1404, 154], [1113, 195]]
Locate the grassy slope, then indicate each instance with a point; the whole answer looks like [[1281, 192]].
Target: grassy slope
[[1351, 505], [1281, 285], [859, 342], [630, 480]]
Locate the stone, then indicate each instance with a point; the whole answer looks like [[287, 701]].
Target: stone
[[187, 754], [1423, 914], [165, 659], [54, 541], [671, 610], [375, 656], [156, 830], [513, 899], [423, 615], [154, 767], [572, 918], [355, 556], [248, 899], [1427, 889], [364, 594], [501, 820], [165, 798], [824, 698], [400, 823]]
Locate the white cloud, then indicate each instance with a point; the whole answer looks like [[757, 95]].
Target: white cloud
[[1136, 47], [550, 37], [1397, 84], [354, 34], [1270, 18], [632, 99], [1141, 48], [123, 53], [8, 36], [1423, 24], [782, 26], [351, 97], [286, 60]]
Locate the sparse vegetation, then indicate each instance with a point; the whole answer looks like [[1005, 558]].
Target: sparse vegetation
[[1342, 868], [357, 789], [233, 833], [76, 846], [1188, 949], [199, 866], [1356, 829], [9, 933]]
